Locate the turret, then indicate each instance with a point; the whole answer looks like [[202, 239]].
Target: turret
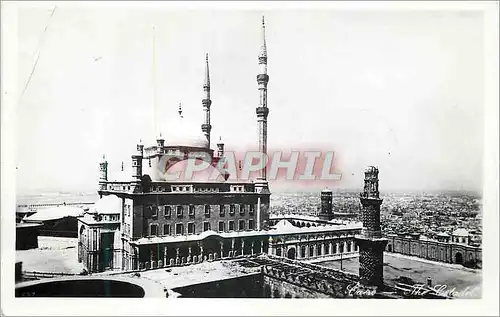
[[140, 148], [160, 143], [103, 173], [220, 148], [206, 102], [326, 204], [137, 168]]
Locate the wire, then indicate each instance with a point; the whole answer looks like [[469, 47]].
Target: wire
[[38, 54]]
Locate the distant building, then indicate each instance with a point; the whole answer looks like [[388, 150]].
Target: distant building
[[27, 235], [56, 221]]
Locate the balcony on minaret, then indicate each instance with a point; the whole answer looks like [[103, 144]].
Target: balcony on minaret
[[206, 103], [206, 128], [262, 78], [262, 111]]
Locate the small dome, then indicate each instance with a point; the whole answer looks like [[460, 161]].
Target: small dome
[[371, 169], [109, 204], [461, 232]]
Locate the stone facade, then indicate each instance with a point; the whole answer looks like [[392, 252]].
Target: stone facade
[[441, 251]]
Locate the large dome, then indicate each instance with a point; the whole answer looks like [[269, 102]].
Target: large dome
[[182, 131]]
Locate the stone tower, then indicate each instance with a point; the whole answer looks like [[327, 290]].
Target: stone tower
[[261, 184], [137, 168], [371, 244], [326, 205], [206, 102], [220, 148], [160, 144], [103, 173]]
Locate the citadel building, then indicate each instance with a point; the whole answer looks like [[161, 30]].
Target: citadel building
[[146, 220]]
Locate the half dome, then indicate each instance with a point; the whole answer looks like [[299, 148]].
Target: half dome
[[187, 171]]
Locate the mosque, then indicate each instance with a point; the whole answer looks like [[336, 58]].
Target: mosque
[[145, 220]]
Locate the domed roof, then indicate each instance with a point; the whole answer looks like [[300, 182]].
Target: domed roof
[[109, 204], [180, 172], [461, 232], [371, 169], [182, 131]]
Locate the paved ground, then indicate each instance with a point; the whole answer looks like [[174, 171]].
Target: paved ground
[[54, 254], [396, 266], [200, 273]]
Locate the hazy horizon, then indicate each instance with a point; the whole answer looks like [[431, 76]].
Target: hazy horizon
[[402, 90]]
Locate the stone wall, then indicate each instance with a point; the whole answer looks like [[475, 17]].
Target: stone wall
[[435, 250]]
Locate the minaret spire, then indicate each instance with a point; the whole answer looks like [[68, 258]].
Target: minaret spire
[[261, 185], [263, 47], [206, 102], [262, 110]]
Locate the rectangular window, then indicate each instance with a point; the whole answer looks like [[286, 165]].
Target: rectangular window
[[207, 211], [251, 209], [250, 224], [180, 211], [242, 209], [206, 226], [179, 228], [221, 226], [166, 229], [231, 225], [167, 211], [222, 210], [242, 225], [153, 230], [190, 228], [231, 209], [154, 211], [191, 211]]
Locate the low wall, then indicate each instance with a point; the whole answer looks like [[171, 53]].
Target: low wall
[[436, 251]]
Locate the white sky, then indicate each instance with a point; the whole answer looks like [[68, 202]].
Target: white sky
[[401, 90]]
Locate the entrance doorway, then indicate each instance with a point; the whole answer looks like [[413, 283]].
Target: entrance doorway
[[107, 240], [459, 259], [291, 254]]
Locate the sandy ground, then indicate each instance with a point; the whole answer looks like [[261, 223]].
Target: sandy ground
[[54, 254], [396, 266], [199, 273]]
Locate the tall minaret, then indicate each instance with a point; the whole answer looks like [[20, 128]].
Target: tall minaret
[[261, 184], [371, 243], [206, 102], [262, 110]]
